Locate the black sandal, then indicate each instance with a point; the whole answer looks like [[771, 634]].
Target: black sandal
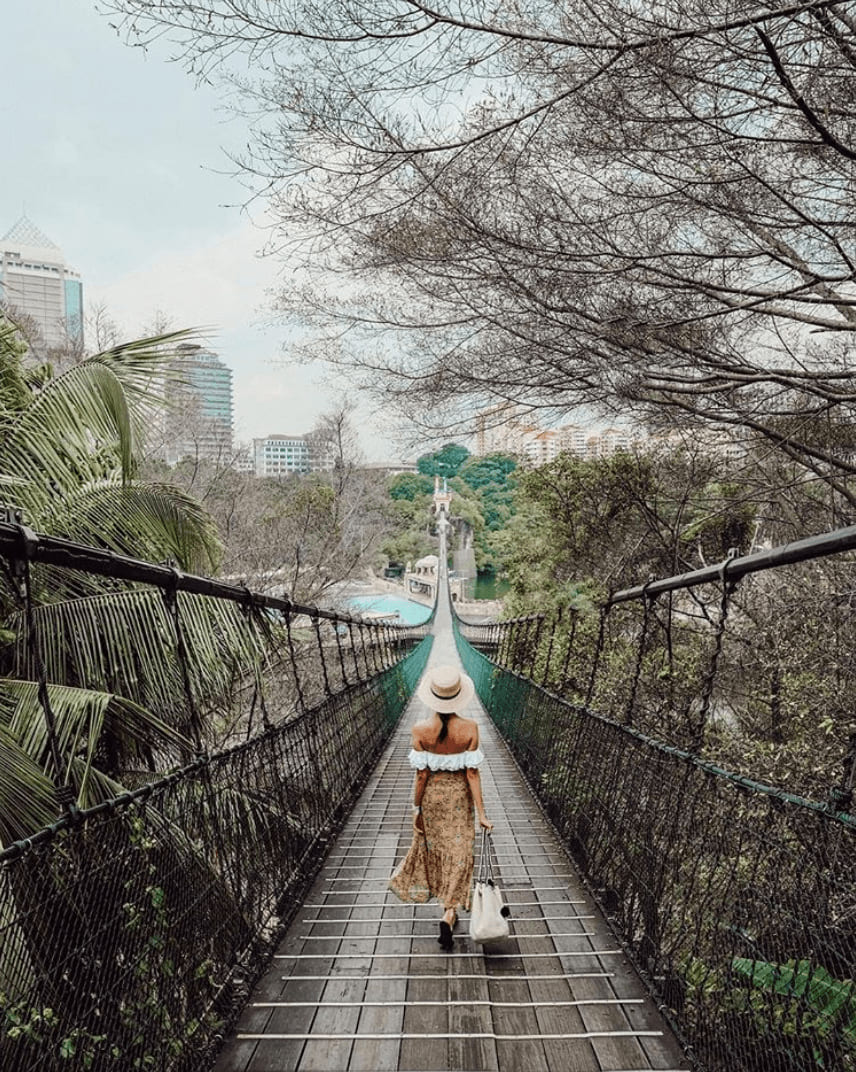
[[445, 939]]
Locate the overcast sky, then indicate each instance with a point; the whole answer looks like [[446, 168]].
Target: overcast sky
[[121, 160]]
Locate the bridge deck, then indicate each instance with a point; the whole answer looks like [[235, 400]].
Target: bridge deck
[[359, 981]]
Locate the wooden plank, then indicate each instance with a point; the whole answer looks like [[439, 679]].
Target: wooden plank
[[662, 1053], [470, 1020], [235, 1056], [521, 1053], [428, 982], [373, 1055], [321, 1055]]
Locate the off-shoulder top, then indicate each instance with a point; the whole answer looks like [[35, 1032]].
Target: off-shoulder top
[[453, 761]]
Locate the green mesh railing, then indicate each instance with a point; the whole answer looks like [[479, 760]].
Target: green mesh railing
[[736, 901], [131, 931]]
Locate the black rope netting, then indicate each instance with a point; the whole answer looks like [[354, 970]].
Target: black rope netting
[[132, 930], [736, 899]]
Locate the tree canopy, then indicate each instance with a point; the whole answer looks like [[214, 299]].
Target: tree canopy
[[635, 208], [446, 461], [410, 486]]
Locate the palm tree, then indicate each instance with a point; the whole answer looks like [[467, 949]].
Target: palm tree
[[68, 459]]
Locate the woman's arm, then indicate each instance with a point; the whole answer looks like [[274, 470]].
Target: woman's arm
[[474, 782], [419, 782]]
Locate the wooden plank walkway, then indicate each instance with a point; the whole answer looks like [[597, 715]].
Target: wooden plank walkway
[[359, 981]]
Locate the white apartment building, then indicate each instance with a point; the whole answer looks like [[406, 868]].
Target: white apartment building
[[574, 438], [609, 440], [281, 455], [500, 428], [540, 446], [243, 460]]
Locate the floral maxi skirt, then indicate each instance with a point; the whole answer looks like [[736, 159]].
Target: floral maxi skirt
[[440, 864]]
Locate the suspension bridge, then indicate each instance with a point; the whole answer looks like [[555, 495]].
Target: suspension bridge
[[234, 914]]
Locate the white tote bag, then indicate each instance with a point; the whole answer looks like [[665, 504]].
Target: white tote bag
[[488, 915]]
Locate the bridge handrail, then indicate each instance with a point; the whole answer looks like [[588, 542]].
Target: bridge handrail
[[827, 543], [836, 541], [18, 541], [643, 820], [130, 929]]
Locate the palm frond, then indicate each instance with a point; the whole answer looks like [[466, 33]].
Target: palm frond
[[124, 643], [151, 521], [27, 800], [88, 421], [61, 437], [147, 367], [83, 718]]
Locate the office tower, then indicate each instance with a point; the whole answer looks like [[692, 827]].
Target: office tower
[[199, 411], [37, 286]]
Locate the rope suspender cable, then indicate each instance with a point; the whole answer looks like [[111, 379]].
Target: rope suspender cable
[[603, 614], [317, 627], [647, 600], [728, 587], [170, 598], [292, 655], [65, 793]]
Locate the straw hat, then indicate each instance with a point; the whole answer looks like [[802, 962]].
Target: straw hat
[[445, 689]]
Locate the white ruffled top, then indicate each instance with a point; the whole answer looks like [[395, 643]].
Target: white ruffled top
[[453, 761]]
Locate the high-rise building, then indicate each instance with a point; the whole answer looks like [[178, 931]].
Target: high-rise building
[[37, 285], [496, 428], [199, 413]]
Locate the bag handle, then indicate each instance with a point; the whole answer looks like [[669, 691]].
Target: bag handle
[[485, 859]]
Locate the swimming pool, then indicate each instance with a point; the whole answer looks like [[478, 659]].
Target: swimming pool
[[409, 613]]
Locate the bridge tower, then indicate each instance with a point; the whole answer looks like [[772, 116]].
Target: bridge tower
[[442, 498]]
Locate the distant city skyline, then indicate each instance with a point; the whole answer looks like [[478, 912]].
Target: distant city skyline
[[128, 171]]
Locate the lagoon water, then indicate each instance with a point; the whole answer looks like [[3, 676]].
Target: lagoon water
[[410, 613]]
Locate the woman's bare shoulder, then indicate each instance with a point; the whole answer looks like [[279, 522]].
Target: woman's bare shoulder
[[418, 732], [468, 730]]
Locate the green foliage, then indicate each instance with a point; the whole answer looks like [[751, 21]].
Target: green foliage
[[720, 518], [811, 1005], [484, 498], [488, 469], [617, 520], [443, 462], [410, 486], [408, 539], [68, 459]]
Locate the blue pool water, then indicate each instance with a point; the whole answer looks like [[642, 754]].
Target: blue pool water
[[409, 613]]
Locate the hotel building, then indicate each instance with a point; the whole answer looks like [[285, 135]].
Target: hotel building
[[38, 285]]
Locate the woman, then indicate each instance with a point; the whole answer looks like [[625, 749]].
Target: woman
[[446, 757]]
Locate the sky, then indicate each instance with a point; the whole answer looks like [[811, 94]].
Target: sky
[[122, 160]]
